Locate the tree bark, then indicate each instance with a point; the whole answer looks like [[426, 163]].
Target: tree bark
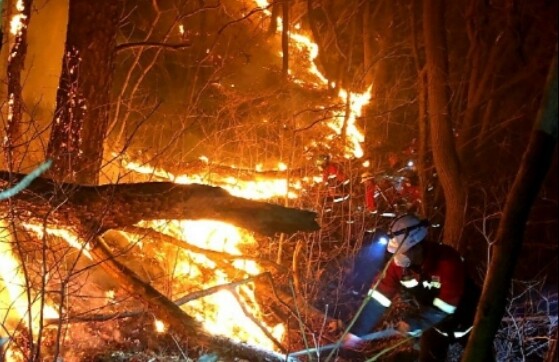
[[510, 233], [273, 27], [551, 355], [82, 110], [120, 205], [442, 136], [285, 39], [14, 141]]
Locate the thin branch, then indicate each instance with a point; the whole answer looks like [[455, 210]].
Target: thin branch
[[26, 181], [257, 322], [151, 44], [134, 313], [229, 286], [217, 255]]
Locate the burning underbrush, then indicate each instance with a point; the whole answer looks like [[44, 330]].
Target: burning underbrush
[[98, 316], [250, 288]]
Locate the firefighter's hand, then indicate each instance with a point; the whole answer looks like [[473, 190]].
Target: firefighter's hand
[[351, 341], [405, 329], [402, 327]]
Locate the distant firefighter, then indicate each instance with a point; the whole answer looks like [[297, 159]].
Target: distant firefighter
[[334, 178]]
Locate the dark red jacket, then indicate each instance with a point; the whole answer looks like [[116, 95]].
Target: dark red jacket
[[438, 282], [333, 175], [438, 285]]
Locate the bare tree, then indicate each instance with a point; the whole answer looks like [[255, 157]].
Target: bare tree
[[82, 114], [510, 235], [14, 140], [442, 135]]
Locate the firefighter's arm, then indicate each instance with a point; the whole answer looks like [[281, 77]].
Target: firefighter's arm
[[451, 290], [429, 317], [379, 300]]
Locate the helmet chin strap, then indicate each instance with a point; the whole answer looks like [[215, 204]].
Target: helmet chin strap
[[402, 260]]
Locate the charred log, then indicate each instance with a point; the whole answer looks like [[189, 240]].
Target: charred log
[[91, 210], [119, 205]]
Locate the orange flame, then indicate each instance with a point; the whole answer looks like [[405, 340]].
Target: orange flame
[[14, 280], [71, 238], [220, 313], [356, 100], [265, 188]]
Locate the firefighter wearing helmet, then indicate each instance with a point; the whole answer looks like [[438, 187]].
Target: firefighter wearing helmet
[[435, 275]]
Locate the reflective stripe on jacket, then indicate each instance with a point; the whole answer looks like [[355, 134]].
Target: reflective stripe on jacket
[[438, 282]]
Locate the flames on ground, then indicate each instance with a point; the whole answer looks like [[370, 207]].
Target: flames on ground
[[222, 313]]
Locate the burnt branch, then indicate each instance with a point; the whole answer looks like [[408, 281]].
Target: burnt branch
[[171, 314], [151, 44], [100, 317], [116, 206], [215, 256]]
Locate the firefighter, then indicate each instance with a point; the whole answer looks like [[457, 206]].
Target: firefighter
[[334, 178], [435, 275], [369, 186]]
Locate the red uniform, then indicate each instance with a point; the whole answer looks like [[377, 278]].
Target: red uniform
[[336, 180], [438, 282], [370, 195], [437, 285], [447, 297], [333, 174]]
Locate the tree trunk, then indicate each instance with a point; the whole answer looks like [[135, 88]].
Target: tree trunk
[[510, 233], [273, 27], [423, 129], [14, 142], [82, 111], [368, 51], [551, 355], [442, 136], [116, 206], [285, 39]]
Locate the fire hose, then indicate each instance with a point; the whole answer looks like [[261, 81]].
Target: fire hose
[[383, 334]]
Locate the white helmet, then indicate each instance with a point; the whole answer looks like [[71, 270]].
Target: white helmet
[[405, 232]]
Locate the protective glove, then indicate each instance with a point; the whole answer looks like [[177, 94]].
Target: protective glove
[[402, 327], [351, 341], [406, 329]]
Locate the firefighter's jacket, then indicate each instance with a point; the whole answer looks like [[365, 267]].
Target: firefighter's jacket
[[336, 181], [438, 285]]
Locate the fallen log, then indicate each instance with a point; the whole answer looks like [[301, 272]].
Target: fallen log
[[179, 321], [116, 206], [91, 210]]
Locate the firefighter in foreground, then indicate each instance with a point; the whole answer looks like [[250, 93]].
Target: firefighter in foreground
[[435, 275]]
